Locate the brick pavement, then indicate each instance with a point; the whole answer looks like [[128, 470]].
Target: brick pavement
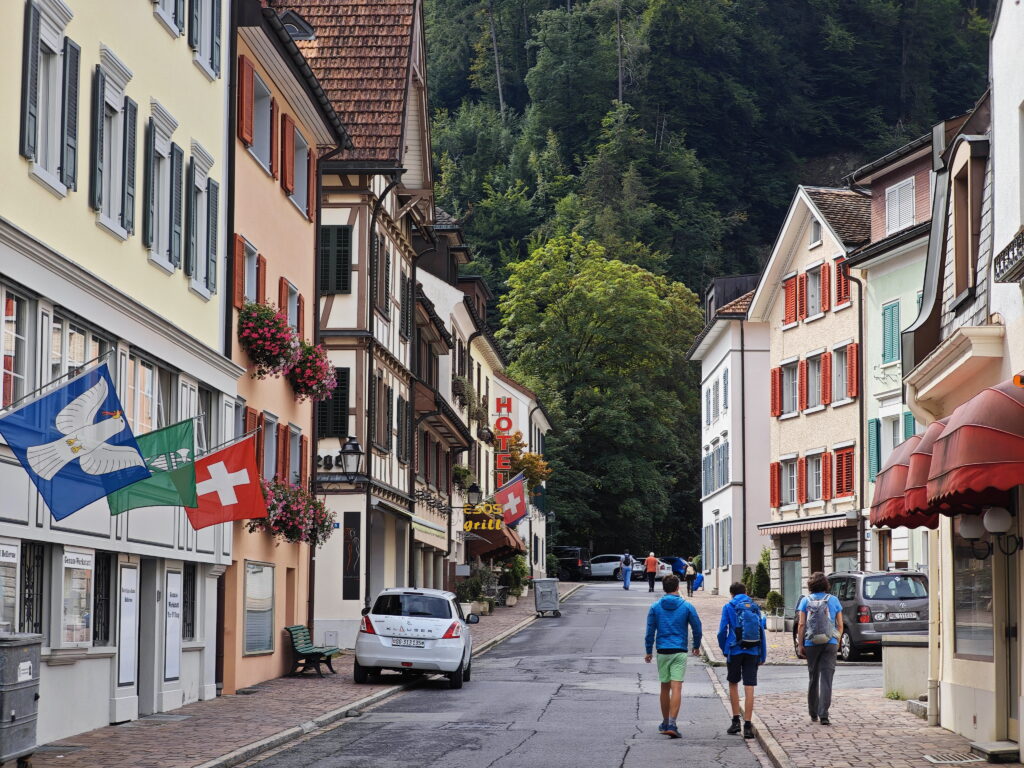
[[867, 731], [709, 608], [204, 731]]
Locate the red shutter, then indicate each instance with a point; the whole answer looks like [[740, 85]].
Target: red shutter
[[251, 419], [826, 378], [261, 425], [801, 296], [238, 294], [773, 483], [852, 368], [826, 298], [311, 184], [826, 476], [842, 284], [776, 391], [801, 372], [274, 163], [282, 441], [261, 279], [287, 154], [304, 461], [789, 288], [840, 474], [801, 480], [245, 86], [300, 314], [282, 294]]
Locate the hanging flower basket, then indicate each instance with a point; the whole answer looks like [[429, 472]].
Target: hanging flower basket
[[312, 377], [267, 338], [294, 515]]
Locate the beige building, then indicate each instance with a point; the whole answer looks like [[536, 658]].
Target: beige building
[[815, 433]]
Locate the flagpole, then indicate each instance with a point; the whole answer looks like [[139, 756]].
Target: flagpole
[[74, 373], [232, 441]]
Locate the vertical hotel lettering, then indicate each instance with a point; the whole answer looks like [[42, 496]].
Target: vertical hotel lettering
[[503, 439]]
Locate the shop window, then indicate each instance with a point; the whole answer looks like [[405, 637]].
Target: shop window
[[188, 603], [13, 337], [76, 599], [844, 554], [101, 605], [8, 587], [259, 608], [33, 588], [973, 633]]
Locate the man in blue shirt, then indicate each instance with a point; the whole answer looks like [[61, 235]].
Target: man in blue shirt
[[743, 641], [820, 625], [667, 622]]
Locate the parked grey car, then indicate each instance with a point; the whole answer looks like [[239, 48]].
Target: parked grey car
[[877, 603]]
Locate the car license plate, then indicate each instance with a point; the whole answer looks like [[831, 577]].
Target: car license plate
[[902, 616], [408, 642]]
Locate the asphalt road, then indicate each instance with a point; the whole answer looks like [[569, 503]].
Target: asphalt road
[[567, 692]]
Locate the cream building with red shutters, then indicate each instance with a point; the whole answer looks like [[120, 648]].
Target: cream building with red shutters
[[811, 308]]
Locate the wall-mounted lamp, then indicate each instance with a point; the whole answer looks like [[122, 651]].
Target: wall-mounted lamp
[[997, 521]]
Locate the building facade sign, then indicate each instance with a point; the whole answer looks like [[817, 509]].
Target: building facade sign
[[503, 434]]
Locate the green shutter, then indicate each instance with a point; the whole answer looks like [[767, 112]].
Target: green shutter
[[148, 189], [874, 456], [212, 236], [909, 426], [332, 414], [190, 218], [335, 259], [177, 172], [30, 82], [391, 418], [890, 332], [69, 115], [99, 87], [130, 117]]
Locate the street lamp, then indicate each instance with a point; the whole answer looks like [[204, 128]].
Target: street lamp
[[474, 495], [351, 458]]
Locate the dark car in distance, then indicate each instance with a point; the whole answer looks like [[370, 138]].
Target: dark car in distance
[[573, 563], [877, 603]]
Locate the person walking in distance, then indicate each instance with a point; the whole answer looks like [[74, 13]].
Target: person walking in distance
[[820, 623], [667, 623], [743, 641], [626, 568], [651, 570], [690, 574]]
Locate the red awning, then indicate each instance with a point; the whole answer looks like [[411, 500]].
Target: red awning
[[888, 507], [979, 456], [915, 498]]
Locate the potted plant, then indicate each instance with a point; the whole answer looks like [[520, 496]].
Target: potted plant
[[270, 342], [462, 476], [312, 376], [294, 515], [772, 606]]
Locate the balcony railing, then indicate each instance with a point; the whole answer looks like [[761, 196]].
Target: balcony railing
[[1009, 264]]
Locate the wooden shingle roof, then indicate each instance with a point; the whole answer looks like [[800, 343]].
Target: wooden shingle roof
[[848, 212], [361, 55]]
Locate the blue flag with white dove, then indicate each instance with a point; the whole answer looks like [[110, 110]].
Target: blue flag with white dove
[[75, 443]]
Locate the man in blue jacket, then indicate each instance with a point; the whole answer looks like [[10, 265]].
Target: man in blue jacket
[[742, 639], [667, 622]]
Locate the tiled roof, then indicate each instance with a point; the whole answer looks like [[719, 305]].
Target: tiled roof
[[848, 212], [361, 55], [737, 306], [444, 219]]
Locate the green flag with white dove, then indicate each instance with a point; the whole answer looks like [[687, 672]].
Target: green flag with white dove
[[169, 454]]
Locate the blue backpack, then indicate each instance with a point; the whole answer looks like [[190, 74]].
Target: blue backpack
[[748, 631]]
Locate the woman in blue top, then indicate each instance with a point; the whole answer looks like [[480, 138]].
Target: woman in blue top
[[820, 624]]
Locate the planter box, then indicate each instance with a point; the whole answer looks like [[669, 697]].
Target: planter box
[[467, 608], [479, 607], [511, 600], [776, 624]]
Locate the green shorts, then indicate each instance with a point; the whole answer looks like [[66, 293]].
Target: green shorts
[[672, 667]]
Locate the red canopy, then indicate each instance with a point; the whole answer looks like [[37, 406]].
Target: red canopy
[[915, 497], [888, 507], [979, 456]]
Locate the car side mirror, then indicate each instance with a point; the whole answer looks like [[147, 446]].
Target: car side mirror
[[365, 610], [472, 618]]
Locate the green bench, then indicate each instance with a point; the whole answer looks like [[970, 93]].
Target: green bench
[[308, 655]]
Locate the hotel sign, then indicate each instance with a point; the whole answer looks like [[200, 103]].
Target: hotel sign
[[503, 434]]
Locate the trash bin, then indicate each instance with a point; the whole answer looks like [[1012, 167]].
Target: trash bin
[[545, 596], [19, 696]]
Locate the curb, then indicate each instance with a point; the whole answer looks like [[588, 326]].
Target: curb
[[256, 748], [772, 748]]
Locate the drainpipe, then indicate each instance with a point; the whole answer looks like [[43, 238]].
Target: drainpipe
[[860, 411], [743, 437], [371, 407], [934, 630]]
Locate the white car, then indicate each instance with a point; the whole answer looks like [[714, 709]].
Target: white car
[[607, 567], [415, 630]]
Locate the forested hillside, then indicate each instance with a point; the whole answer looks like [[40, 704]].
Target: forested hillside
[[666, 135]]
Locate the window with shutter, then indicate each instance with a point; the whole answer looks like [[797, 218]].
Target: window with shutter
[[725, 389], [852, 370], [251, 420], [826, 378], [177, 202], [246, 97], [826, 476], [776, 391], [96, 163], [801, 480], [69, 115], [899, 206], [825, 288], [891, 332], [801, 296], [909, 425], [874, 448], [842, 284], [129, 131], [773, 483], [814, 381], [261, 278], [335, 259], [789, 303], [191, 218], [790, 388], [30, 62], [332, 414], [802, 394], [212, 235], [149, 196], [844, 472]]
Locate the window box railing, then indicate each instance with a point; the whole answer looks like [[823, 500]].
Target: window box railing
[[1009, 264]]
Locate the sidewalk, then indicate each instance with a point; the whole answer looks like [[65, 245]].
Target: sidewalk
[[229, 729], [709, 608]]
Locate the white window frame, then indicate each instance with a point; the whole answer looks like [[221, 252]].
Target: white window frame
[[787, 486], [293, 306], [164, 126], [246, 650], [117, 77], [813, 478], [54, 17], [813, 381], [251, 276], [164, 11], [11, 339], [61, 331], [139, 419], [300, 175], [203, 54], [814, 234], [294, 454], [269, 467], [262, 116], [790, 389], [903, 218], [839, 387], [813, 292], [203, 163]]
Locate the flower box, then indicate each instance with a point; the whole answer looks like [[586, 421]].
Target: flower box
[[294, 515], [270, 342], [312, 376]]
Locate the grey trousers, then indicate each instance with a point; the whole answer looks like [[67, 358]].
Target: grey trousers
[[821, 666]]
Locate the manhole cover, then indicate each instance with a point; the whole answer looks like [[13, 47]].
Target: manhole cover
[[953, 758]]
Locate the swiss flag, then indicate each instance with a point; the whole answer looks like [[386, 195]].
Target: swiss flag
[[228, 486], [512, 498]]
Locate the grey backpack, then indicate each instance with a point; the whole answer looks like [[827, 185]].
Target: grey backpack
[[820, 629]]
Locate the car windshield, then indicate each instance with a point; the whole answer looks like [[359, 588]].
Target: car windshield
[[895, 586], [413, 605]]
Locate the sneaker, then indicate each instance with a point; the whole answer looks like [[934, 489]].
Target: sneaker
[[663, 726], [748, 730], [735, 727], [671, 730]]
